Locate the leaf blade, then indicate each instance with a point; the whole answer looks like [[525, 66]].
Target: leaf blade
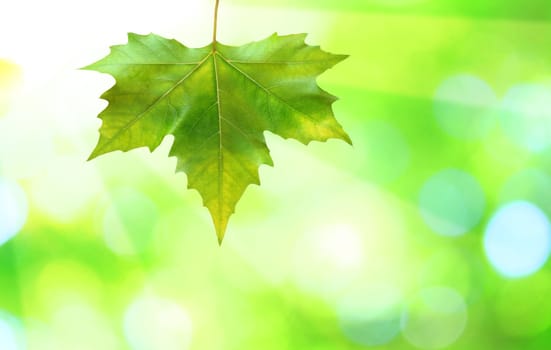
[[217, 105]]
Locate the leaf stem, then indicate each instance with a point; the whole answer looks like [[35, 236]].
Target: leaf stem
[[215, 25]]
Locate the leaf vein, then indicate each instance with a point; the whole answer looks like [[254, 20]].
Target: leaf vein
[[270, 93]]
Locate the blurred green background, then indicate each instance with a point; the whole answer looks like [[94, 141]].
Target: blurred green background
[[431, 232]]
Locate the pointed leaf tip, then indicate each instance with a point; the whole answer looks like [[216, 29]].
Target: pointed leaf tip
[[348, 140], [220, 229]]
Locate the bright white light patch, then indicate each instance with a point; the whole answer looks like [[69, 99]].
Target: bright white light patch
[[465, 107], [151, 323], [13, 210], [451, 202], [328, 259], [65, 188], [342, 245], [517, 240]]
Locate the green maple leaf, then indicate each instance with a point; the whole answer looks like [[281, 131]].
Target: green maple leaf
[[217, 101]]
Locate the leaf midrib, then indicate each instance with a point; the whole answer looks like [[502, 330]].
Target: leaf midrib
[[220, 152]]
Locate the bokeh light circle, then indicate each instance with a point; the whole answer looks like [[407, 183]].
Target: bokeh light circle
[[435, 318], [11, 337], [58, 282], [517, 240], [465, 107], [92, 325], [371, 315], [451, 202], [152, 323], [13, 209], [526, 116]]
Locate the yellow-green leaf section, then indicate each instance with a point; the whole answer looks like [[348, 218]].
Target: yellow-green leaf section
[[217, 101]]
